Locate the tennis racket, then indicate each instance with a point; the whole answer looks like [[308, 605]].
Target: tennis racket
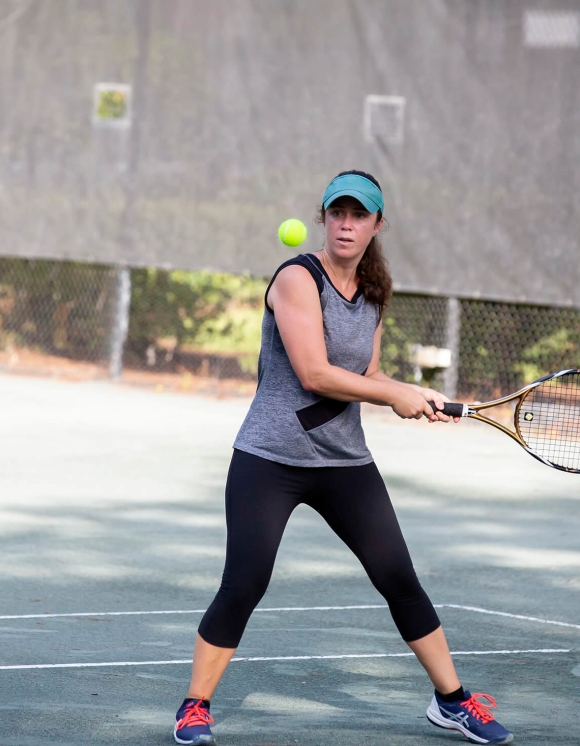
[[546, 418]]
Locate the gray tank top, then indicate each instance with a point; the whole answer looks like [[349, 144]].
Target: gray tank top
[[292, 426]]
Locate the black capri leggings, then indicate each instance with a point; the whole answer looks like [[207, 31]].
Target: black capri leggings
[[353, 500]]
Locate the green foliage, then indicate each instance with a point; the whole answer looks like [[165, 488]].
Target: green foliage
[[504, 346], [548, 354], [213, 312], [52, 306], [395, 350]]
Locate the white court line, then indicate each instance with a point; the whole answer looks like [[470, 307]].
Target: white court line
[[280, 658], [476, 609], [505, 613], [48, 615]]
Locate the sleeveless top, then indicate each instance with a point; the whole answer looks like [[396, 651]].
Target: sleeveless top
[[292, 426]]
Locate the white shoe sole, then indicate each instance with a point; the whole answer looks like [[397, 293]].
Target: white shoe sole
[[209, 742]]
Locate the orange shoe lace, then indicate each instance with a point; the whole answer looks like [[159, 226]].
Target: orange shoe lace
[[195, 714], [478, 709]]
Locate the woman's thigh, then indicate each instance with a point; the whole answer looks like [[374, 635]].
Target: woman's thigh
[[260, 497], [355, 503]]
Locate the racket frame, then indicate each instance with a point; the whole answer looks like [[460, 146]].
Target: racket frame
[[472, 411]]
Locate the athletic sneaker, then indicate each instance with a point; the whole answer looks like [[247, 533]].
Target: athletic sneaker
[[471, 717], [192, 723]]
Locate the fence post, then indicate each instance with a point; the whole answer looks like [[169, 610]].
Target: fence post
[[452, 339], [120, 320], [123, 294]]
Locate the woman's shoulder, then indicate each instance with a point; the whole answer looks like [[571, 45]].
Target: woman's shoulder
[[305, 263], [309, 262]]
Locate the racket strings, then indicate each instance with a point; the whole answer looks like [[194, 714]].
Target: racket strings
[[549, 421]]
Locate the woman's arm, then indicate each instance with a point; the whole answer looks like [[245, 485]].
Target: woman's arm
[[296, 304]]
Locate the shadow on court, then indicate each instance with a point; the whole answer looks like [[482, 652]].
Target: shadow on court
[[111, 501]]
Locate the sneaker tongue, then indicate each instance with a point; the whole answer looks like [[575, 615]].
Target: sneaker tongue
[[204, 702]]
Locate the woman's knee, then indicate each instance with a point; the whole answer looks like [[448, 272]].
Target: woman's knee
[[243, 593], [224, 622], [248, 596], [396, 579]]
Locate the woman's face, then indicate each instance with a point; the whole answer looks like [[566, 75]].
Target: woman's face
[[349, 228]]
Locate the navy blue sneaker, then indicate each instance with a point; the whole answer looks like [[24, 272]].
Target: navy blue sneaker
[[192, 723], [471, 717]]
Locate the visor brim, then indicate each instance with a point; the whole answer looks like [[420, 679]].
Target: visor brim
[[365, 200]]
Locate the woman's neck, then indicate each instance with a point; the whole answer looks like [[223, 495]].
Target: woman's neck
[[343, 277]]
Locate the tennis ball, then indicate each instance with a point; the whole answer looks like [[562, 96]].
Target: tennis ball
[[292, 232]]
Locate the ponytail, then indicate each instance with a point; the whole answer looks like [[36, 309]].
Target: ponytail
[[374, 276]]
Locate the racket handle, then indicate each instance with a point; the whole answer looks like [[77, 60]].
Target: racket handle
[[450, 409]]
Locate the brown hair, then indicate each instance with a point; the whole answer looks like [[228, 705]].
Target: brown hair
[[373, 271]]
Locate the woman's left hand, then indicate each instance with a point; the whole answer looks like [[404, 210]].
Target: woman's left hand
[[439, 399]]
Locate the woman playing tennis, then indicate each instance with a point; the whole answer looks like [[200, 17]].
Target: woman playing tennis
[[302, 442]]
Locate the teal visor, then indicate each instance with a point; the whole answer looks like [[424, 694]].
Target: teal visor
[[353, 185]]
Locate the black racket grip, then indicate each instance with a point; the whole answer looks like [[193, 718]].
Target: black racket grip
[[449, 408]]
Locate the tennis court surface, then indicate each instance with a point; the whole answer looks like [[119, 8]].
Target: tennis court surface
[[113, 537]]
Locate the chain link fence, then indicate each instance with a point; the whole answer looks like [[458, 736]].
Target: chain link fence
[[208, 325], [496, 347], [57, 309]]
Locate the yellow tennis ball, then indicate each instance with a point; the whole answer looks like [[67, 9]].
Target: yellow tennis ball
[[292, 232]]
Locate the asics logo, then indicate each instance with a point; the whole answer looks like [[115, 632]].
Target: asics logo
[[459, 717]]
